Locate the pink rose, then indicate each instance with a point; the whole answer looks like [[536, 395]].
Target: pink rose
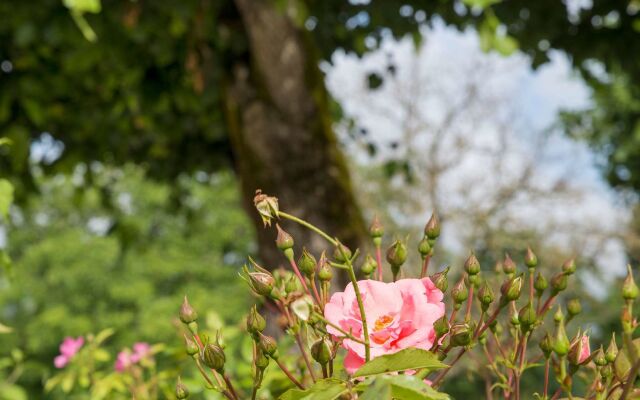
[[399, 315], [123, 361], [140, 350], [68, 349], [127, 358]]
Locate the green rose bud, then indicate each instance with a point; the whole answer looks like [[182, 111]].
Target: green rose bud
[[629, 287], [486, 296], [440, 280], [558, 316], [508, 266], [599, 358], [376, 230], [307, 263], [441, 326], [459, 293], [574, 307], [527, 317], [569, 266], [369, 265], [213, 357], [540, 284], [396, 256], [181, 390], [190, 346], [561, 343], [321, 351], [460, 335], [255, 322], [268, 345], [424, 248], [558, 283], [261, 281], [325, 273], [267, 207], [187, 313], [546, 345], [530, 259], [612, 350], [284, 241], [511, 289], [471, 265], [261, 361], [432, 229]]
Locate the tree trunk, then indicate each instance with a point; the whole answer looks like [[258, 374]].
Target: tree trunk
[[281, 134]]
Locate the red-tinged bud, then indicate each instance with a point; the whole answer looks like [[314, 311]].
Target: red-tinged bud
[[612, 350], [190, 346], [187, 313], [213, 357], [376, 230], [627, 320], [255, 322], [486, 296], [268, 345], [441, 326], [424, 248], [307, 263], [321, 351], [261, 281], [558, 283], [527, 317], [341, 253], [472, 265], [561, 342], [181, 390], [440, 280], [579, 351], [540, 284], [432, 229], [508, 266], [511, 290], [530, 259], [546, 345], [325, 273], [396, 256], [574, 307], [267, 207], [629, 287], [569, 266], [459, 293], [460, 335], [369, 265], [599, 358], [284, 241]]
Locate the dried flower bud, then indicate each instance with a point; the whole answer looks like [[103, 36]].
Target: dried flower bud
[[569, 266], [508, 266], [181, 390], [540, 284], [561, 343], [440, 280], [268, 345], [213, 357], [432, 229], [424, 248], [396, 256], [267, 207], [369, 265], [612, 350], [486, 296], [307, 263], [460, 335], [530, 259], [511, 290], [321, 351], [629, 287], [187, 313], [527, 317], [190, 346], [324, 271], [255, 322], [441, 326], [574, 307], [376, 230], [459, 293], [341, 253], [471, 265], [599, 359], [284, 241], [558, 283], [546, 345]]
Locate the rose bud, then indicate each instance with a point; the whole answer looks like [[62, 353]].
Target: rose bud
[[579, 351], [190, 346], [540, 284], [324, 272], [486, 296], [341, 253], [284, 242], [292, 285], [629, 287], [508, 266], [213, 357], [606, 372], [432, 228], [440, 280], [261, 361], [187, 313], [569, 266], [321, 351], [460, 335], [599, 359], [181, 390], [530, 259], [268, 345], [396, 256], [574, 307], [369, 265], [527, 317], [471, 265], [376, 230], [558, 316], [261, 281], [561, 343], [511, 290], [424, 248], [546, 345], [441, 326], [459, 293], [255, 322], [558, 283], [307, 263], [612, 350], [267, 207]]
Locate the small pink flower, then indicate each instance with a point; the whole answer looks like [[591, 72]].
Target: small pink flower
[[140, 350], [68, 349], [399, 315], [585, 350], [123, 361]]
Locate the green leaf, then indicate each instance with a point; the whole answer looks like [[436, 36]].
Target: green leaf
[[325, 389], [480, 3], [6, 197], [379, 390], [401, 361], [82, 6], [5, 329], [404, 387]]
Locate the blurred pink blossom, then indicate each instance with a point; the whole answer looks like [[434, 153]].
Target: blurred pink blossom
[[68, 349], [127, 357]]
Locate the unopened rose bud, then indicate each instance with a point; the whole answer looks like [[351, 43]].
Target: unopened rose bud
[[321, 351], [181, 390], [540, 284], [307, 263], [292, 285], [424, 248], [460, 335], [441, 326], [629, 287], [561, 342], [486, 296], [558, 283], [284, 242], [612, 350], [369, 265], [440, 280], [255, 322], [527, 317], [268, 345], [530, 259], [261, 281], [190, 346], [187, 313], [341, 253], [508, 266], [432, 229], [459, 293], [558, 316], [606, 372], [569, 266], [579, 351], [261, 361], [514, 319], [396, 256], [511, 290], [213, 357], [267, 207], [471, 265], [599, 359], [376, 230], [546, 345], [574, 307], [324, 272]]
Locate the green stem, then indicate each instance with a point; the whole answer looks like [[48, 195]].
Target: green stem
[[365, 328], [308, 225]]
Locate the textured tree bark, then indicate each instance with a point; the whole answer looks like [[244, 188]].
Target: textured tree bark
[[281, 134]]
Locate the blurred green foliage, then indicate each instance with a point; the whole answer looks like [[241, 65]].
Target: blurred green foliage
[[71, 277]]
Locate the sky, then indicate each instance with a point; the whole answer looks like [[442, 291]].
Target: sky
[[510, 103]]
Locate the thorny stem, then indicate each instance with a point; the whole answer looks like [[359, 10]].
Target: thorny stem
[[547, 305], [288, 373], [315, 292]]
